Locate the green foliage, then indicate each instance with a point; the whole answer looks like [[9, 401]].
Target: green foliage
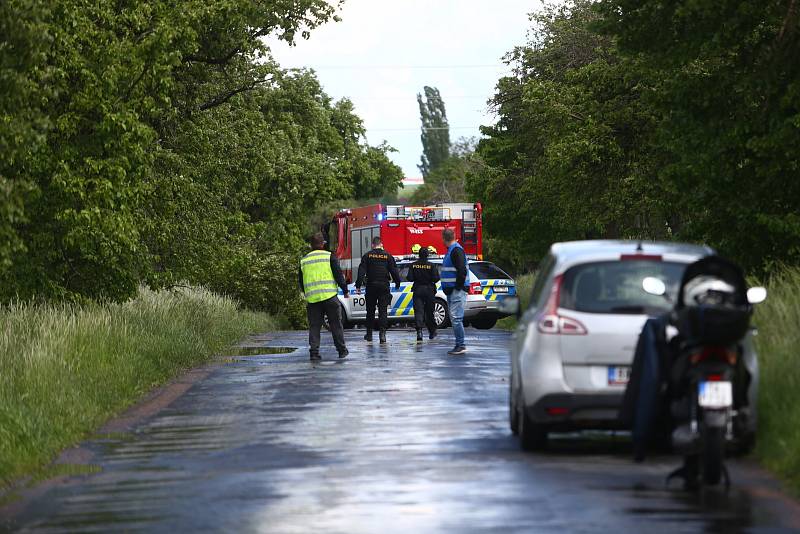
[[68, 368], [729, 102], [569, 157], [158, 142], [435, 130], [446, 182], [653, 120], [22, 53]]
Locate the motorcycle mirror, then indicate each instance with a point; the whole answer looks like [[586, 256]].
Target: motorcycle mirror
[[654, 286], [509, 306], [756, 295]]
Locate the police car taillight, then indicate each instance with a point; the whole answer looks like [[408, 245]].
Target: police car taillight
[[475, 288]]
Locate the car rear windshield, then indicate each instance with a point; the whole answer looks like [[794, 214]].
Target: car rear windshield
[[616, 286], [485, 270]]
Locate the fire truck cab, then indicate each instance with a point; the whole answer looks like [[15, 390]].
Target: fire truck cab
[[403, 230]]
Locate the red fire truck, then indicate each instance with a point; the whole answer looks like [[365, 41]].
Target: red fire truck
[[403, 229]]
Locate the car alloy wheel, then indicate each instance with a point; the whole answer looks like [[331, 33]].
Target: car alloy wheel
[[440, 314]]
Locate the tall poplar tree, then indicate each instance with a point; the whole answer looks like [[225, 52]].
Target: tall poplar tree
[[435, 130]]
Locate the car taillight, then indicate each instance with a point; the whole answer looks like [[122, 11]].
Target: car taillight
[[475, 288], [553, 323], [721, 354], [558, 324]]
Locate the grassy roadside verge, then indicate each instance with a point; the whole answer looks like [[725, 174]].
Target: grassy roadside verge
[[524, 290], [778, 345], [65, 369]]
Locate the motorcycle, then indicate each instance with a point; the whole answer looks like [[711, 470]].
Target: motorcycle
[[706, 381]]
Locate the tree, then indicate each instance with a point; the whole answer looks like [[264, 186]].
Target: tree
[[233, 195], [157, 142], [570, 156], [729, 102], [446, 183], [22, 53], [649, 119], [435, 130]]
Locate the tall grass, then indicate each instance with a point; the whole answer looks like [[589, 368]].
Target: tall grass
[[65, 369], [524, 290], [778, 345]]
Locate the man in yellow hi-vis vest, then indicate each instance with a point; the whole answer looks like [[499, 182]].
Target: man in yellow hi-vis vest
[[320, 277]]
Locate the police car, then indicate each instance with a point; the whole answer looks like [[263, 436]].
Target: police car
[[480, 310], [496, 286]]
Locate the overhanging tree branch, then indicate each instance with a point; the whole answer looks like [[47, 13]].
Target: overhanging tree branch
[[224, 97], [194, 58], [225, 58]]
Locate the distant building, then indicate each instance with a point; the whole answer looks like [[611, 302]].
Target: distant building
[[413, 181]]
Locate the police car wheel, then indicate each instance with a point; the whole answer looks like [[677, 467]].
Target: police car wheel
[[484, 323], [441, 315], [347, 325]]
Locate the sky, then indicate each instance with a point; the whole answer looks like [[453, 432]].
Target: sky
[[383, 53]]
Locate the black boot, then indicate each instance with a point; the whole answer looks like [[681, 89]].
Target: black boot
[[419, 334], [315, 356], [432, 334], [382, 336], [368, 336]]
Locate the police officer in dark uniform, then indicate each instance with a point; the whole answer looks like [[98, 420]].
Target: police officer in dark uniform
[[424, 274], [379, 267]]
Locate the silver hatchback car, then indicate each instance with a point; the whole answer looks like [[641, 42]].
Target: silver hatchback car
[[574, 346]]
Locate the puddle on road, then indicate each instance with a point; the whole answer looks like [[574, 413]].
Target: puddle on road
[[232, 354]]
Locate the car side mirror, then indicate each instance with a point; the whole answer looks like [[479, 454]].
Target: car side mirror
[[510, 306], [654, 286], [756, 295]]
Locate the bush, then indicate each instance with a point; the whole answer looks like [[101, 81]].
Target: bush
[[67, 368], [264, 282]]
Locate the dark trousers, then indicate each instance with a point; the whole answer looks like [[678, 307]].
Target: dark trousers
[[423, 308], [316, 313], [380, 296]]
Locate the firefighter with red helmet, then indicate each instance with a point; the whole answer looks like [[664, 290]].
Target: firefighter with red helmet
[[379, 268]]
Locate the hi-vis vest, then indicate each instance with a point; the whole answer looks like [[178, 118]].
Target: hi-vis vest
[[318, 281], [448, 275]]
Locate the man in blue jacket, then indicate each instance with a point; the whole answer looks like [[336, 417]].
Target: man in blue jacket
[[454, 285]]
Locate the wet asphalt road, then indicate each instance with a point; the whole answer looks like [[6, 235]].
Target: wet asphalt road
[[397, 438]]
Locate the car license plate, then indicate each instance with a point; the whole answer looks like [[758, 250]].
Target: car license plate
[[500, 289], [618, 375], [715, 394]]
